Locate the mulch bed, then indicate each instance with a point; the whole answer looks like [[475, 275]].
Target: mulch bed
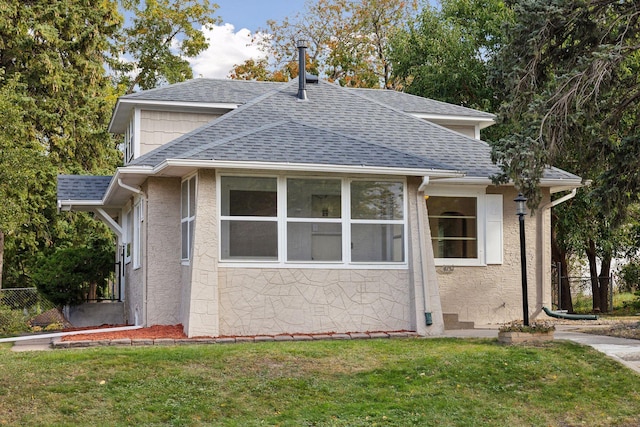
[[152, 332]]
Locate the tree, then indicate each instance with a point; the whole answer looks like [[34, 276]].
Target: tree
[[70, 274], [569, 72], [444, 53], [162, 34], [347, 42], [56, 99]]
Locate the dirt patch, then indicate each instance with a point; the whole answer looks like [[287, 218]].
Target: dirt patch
[[152, 332]]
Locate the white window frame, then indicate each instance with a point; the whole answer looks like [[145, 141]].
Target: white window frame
[[283, 220], [488, 220], [190, 218], [138, 218], [131, 145], [128, 232]]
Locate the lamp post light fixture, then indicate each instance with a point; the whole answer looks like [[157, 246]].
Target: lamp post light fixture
[[521, 211]]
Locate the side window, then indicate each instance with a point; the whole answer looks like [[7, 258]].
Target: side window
[[128, 219], [137, 233], [187, 215], [466, 227], [454, 226]]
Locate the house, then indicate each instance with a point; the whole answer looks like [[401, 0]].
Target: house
[[261, 208]]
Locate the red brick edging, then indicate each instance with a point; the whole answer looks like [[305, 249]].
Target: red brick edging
[[228, 340]]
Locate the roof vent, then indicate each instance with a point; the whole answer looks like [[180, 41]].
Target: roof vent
[[302, 74]]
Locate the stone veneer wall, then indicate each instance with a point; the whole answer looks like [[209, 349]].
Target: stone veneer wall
[[257, 301], [493, 294], [163, 273]]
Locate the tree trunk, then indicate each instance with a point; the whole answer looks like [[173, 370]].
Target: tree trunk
[[593, 274], [1, 256], [559, 257], [603, 279]]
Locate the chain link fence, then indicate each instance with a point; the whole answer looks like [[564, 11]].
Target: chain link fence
[[36, 310]]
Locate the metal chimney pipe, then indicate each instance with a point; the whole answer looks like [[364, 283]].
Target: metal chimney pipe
[[302, 73]]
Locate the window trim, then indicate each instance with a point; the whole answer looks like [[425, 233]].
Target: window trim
[[189, 219], [345, 219], [136, 243], [481, 218], [128, 232]]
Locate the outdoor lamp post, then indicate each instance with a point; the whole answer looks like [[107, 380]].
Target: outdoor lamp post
[[521, 211]]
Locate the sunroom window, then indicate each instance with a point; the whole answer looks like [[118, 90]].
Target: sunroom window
[[309, 220], [314, 225], [377, 214], [249, 213]]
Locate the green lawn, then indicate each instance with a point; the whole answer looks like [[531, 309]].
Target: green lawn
[[397, 382]]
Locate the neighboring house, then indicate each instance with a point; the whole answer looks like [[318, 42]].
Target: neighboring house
[[244, 210]]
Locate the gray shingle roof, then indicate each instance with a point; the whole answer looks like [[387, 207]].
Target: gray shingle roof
[[242, 91], [207, 91], [417, 104], [342, 115], [82, 187]]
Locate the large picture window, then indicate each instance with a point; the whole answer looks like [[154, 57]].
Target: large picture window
[[308, 220]]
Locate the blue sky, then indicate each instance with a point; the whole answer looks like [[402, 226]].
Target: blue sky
[[232, 42], [253, 14]]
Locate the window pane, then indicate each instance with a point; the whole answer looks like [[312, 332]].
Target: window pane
[[184, 195], [250, 239], [453, 225], [314, 242], [185, 240], [377, 242], [313, 198], [242, 196], [192, 196], [376, 200]]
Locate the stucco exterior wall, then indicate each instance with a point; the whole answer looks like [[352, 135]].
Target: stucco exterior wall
[[159, 127], [163, 272], [493, 294], [200, 301]]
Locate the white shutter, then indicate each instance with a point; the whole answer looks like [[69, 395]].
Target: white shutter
[[493, 241]]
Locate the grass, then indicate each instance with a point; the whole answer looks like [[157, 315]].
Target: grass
[[398, 382], [622, 303]]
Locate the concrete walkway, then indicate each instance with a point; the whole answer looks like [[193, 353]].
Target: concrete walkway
[[622, 350]]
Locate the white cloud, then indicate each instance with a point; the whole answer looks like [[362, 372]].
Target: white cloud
[[226, 49]]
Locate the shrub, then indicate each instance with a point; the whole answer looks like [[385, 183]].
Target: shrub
[[66, 276], [630, 276], [518, 326], [12, 322]]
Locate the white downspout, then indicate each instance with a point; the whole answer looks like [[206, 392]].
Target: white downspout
[[139, 192], [419, 201]]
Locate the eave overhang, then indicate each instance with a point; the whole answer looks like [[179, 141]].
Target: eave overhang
[[446, 119]]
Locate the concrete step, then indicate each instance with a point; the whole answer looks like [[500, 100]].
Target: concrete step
[[451, 321]]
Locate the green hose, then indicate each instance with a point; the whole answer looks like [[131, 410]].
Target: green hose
[[570, 316]]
